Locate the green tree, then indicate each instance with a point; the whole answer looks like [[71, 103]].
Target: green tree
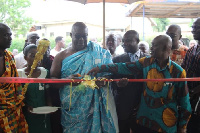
[[191, 23], [161, 24], [12, 13]]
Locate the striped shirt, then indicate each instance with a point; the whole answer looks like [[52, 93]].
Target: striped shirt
[[191, 64]]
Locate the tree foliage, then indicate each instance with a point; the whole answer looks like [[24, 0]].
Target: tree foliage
[[191, 23], [18, 43], [12, 13], [161, 24]]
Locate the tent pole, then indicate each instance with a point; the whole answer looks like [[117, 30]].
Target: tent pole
[[131, 23], [143, 21], [104, 26]]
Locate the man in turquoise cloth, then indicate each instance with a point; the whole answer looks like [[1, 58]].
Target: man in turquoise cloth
[[158, 111], [89, 110]]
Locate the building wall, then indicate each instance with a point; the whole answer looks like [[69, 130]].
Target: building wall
[[64, 29]]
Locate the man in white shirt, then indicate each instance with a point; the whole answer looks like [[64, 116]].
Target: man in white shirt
[[19, 59], [60, 45], [119, 49], [15, 52]]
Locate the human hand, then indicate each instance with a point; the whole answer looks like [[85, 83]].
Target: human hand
[[191, 93], [74, 76], [49, 102], [28, 108], [181, 130], [100, 83], [94, 71], [32, 28], [194, 91], [122, 82]]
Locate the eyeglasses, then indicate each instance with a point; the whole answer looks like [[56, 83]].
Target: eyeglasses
[[171, 35], [81, 36]]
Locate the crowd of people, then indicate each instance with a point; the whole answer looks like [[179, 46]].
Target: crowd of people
[[122, 106]]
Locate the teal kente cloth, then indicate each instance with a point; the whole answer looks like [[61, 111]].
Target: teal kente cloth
[[88, 108]]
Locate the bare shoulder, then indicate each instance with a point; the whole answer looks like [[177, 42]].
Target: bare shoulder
[[57, 62], [63, 54]]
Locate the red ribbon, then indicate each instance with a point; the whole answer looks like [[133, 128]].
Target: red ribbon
[[38, 80]]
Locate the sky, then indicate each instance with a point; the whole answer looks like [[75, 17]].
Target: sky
[[56, 10], [59, 10]]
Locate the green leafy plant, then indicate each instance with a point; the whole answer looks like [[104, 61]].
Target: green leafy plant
[[18, 43], [161, 24], [12, 13]]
